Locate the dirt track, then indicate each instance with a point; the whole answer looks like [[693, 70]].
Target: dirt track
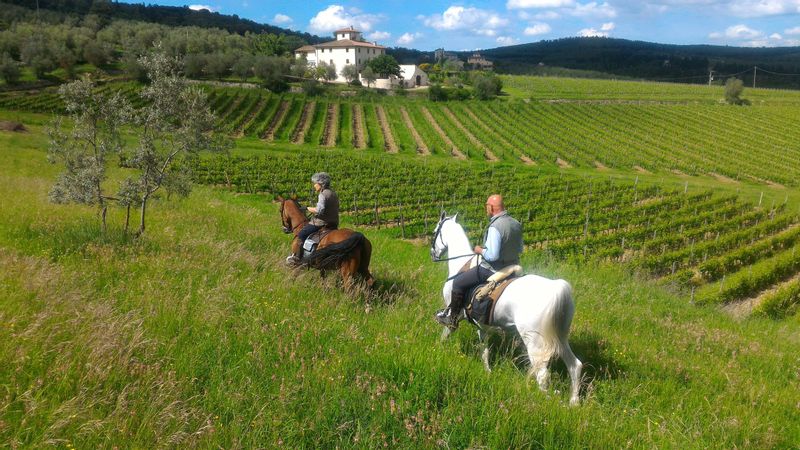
[[276, 120], [421, 147], [389, 144], [299, 133]]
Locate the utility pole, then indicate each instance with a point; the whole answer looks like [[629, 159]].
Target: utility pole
[[710, 77], [754, 76]]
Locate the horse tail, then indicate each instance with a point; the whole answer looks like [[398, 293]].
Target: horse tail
[[331, 255], [366, 255], [555, 322]]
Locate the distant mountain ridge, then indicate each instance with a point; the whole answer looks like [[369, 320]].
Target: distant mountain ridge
[[777, 66], [165, 15]]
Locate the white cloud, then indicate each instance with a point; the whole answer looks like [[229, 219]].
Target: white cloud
[[737, 32], [506, 40], [547, 15], [792, 31], [335, 17], [461, 18], [608, 26], [594, 10], [760, 8], [202, 7], [775, 36], [408, 38], [379, 35], [592, 32], [281, 19], [537, 29], [527, 4]]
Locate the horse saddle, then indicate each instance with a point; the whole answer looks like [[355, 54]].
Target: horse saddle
[[483, 297], [311, 243]]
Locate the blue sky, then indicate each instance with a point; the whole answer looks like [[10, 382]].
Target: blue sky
[[430, 24]]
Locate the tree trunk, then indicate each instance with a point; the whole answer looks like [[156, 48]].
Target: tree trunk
[[103, 215], [127, 218], [141, 221]]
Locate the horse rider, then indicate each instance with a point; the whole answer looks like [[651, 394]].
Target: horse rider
[[326, 214], [502, 247]]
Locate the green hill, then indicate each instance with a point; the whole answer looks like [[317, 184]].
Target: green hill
[[674, 217]]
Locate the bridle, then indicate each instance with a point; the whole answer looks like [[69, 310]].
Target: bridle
[[287, 224], [437, 235]]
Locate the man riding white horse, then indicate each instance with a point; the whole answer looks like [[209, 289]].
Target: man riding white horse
[[326, 215], [502, 247]]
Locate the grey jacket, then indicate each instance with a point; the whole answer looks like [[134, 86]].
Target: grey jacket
[[510, 241], [327, 209]]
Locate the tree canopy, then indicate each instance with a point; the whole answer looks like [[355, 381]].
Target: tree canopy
[[384, 65]]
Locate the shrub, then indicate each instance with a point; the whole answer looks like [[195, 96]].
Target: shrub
[[312, 88], [436, 93]]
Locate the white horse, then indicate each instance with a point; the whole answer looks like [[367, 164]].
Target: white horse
[[537, 309]]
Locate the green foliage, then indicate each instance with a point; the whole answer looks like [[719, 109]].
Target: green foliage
[[437, 93], [9, 70], [350, 73], [269, 44], [369, 75], [312, 88], [243, 67], [83, 149], [176, 124], [733, 91], [384, 66], [272, 71], [38, 56], [487, 86]]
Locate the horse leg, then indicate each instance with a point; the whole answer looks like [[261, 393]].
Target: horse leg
[[575, 367], [363, 266], [539, 358], [483, 337], [445, 334], [346, 270]]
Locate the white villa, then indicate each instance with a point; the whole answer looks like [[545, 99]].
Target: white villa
[[350, 48]]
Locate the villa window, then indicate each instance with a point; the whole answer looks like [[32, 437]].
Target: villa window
[[347, 61]]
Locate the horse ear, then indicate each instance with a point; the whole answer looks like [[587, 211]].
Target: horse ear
[[280, 198], [455, 217], [442, 215]]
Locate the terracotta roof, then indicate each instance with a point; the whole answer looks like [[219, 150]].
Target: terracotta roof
[[347, 43], [306, 49], [345, 30]]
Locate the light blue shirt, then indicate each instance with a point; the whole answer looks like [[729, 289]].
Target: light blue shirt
[[320, 204], [491, 248]]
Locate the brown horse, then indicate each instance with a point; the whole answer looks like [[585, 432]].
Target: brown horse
[[343, 249]]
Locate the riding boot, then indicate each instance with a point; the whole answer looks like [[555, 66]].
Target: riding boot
[[449, 316], [296, 258]]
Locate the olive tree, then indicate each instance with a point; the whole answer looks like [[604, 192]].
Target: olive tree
[[369, 75], [9, 71], [350, 73], [175, 125], [733, 91], [83, 148]]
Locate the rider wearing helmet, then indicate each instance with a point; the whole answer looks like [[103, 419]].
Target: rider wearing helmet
[[326, 213], [502, 247]]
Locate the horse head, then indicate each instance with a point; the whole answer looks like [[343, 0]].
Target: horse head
[[291, 214], [439, 242]]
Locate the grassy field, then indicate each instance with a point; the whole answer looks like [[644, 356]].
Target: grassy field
[[195, 335]]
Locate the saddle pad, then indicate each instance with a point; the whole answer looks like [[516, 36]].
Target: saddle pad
[[482, 311]]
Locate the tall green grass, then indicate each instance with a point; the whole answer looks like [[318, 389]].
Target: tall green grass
[[196, 335]]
